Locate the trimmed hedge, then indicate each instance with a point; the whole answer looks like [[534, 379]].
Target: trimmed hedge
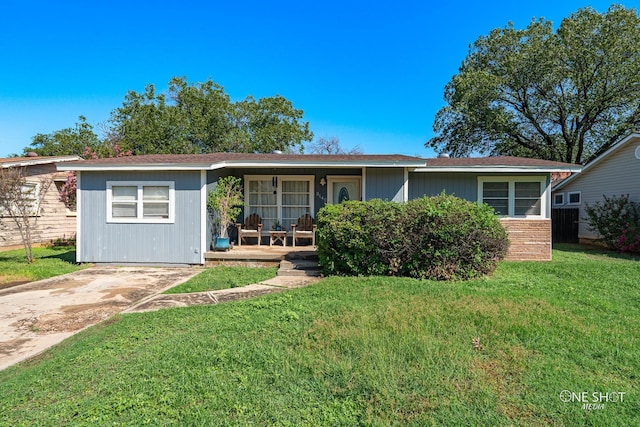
[[441, 237]]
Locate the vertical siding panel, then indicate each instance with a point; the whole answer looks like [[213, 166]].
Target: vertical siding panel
[[177, 243], [463, 185], [385, 184]]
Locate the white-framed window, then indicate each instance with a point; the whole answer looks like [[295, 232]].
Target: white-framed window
[[574, 198], [514, 196], [558, 199], [27, 203], [140, 201], [281, 198]]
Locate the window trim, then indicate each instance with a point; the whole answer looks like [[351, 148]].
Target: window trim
[[554, 199], [569, 194], [278, 189], [140, 219], [34, 189], [511, 180]]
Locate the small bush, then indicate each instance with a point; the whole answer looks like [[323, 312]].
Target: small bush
[[629, 241], [441, 237], [615, 219]]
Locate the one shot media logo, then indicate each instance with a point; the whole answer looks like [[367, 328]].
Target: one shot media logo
[[592, 400]]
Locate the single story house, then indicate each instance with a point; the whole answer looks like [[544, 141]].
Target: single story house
[[616, 172], [55, 221], [152, 208]]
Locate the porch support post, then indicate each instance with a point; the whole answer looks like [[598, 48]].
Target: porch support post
[[405, 186], [203, 214], [364, 184]]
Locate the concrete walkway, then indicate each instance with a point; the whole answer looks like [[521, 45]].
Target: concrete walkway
[[295, 272], [38, 315]]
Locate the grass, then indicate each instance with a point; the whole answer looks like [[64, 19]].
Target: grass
[[359, 351], [48, 262], [223, 277]]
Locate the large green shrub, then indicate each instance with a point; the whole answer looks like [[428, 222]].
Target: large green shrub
[[615, 219], [441, 237]]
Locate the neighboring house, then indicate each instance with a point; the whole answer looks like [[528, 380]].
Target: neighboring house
[[55, 220], [615, 172], [152, 209]]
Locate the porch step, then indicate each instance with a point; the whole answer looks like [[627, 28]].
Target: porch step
[[300, 267]]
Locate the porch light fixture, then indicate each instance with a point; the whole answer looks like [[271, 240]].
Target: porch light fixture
[[323, 181]]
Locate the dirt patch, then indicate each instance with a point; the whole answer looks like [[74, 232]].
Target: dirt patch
[[12, 284], [75, 318], [9, 347], [203, 298]]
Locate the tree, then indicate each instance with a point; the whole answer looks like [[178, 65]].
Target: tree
[[201, 118], [21, 202], [331, 146], [69, 141], [68, 190], [564, 96]]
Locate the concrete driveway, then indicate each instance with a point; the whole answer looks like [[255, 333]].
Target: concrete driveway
[[37, 315]]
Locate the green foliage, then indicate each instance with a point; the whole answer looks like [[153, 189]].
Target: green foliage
[[441, 237], [615, 219], [223, 277], [358, 351], [70, 141], [225, 201], [565, 96], [187, 119], [201, 118]]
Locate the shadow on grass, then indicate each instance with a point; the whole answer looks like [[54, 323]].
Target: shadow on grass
[[594, 250], [68, 257]]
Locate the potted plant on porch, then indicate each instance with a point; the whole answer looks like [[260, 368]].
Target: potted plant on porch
[[225, 201]]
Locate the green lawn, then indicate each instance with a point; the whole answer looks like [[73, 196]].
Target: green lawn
[[223, 277], [48, 262], [359, 351]]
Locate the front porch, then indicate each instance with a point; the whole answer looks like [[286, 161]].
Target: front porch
[[259, 256]]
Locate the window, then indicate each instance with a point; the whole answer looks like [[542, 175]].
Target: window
[[148, 202], [558, 199], [26, 203], [513, 196], [573, 198], [496, 195], [282, 198], [527, 198]]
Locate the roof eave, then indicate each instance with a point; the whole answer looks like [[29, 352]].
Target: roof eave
[[499, 169], [133, 167], [35, 161], [235, 164]]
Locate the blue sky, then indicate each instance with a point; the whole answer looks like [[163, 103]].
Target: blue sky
[[371, 74]]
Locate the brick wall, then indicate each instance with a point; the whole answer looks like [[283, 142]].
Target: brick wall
[[530, 239]]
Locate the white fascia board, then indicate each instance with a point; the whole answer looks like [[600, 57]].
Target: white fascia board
[[602, 156], [39, 161], [239, 164], [305, 164], [133, 167], [498, 169]]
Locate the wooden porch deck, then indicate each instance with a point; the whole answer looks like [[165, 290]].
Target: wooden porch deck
[[254, 255]]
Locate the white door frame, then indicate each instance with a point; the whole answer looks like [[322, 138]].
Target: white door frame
[[331, 179]]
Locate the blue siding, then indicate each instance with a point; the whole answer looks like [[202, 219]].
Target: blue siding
[[177, 243], [463, 185], [385, 184]]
